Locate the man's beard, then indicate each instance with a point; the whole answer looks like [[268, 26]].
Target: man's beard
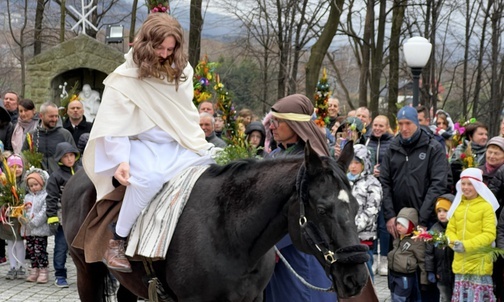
[[48, 126]]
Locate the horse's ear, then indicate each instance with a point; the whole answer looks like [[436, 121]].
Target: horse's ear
[[346, 156], [312, 160]]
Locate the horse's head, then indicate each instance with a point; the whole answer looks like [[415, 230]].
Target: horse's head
[[322, 222]]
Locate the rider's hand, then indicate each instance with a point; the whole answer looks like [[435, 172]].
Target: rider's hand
[[122, 173]]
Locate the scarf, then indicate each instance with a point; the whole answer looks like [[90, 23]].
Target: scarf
[[410, 141], [19, 133], [490, 168]]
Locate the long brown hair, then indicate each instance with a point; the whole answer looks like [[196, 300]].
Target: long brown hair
[[156, 28]]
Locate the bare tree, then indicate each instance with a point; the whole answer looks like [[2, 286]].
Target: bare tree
[[62, 20], [134, 6], [19, 39], [97, 15], [196, 21], [497, 68], [290, 25], [394, 46], [319, 49], [39, 17]]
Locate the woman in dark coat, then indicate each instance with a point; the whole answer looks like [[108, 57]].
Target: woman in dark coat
[[6, 129], [493, 177]]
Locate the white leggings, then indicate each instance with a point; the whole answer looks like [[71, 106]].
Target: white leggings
[[137, 196], [16, 251]]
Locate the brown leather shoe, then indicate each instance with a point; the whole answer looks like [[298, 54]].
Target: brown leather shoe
[[114, 257]]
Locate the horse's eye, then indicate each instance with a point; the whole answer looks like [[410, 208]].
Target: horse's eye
[[321, 211]]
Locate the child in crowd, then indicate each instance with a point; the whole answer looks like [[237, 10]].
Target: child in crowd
[[438, 260], [472, 226], [368, 192], [255, 136], [16, 249], [35, 226], [405, 258], [66, 155]]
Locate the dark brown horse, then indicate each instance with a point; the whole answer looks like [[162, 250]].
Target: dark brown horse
[[222, 246]]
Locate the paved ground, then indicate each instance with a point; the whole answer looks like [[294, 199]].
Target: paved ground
[[21, 291]]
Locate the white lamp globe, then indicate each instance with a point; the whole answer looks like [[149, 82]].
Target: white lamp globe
[[417, 52]]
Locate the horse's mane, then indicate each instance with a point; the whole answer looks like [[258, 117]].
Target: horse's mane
[[243, 165]]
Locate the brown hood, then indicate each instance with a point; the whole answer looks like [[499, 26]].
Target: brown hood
[[409, 213], [298, 103]]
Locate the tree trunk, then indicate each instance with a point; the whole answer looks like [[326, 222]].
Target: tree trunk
[[496, 80], [319, 49], [479, 66], [394, 46], [377, 61], [133, 21], [62, 20], [195, 29], [20, 42], [366, 53], [39, 17]]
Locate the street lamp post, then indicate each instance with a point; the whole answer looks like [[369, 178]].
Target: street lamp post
[[417, 52]]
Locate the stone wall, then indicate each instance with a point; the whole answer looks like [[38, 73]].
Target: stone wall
[[82, 57]]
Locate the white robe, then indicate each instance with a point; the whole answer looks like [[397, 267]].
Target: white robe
[[154, 158], [153, 125], [131, 106]]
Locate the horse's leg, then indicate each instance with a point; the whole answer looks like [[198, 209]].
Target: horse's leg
[[92, 278], [124, 295]]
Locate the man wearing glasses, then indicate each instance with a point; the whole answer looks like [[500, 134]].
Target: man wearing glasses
[[292, 126]]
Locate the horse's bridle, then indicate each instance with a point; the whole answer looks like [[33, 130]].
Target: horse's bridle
[[354, 254]]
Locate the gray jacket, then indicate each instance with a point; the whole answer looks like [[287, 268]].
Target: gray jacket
[[36, 214], [45, 141]]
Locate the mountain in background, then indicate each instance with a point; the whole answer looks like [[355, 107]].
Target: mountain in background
[[216, 26]]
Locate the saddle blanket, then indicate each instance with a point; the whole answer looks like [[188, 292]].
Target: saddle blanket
[[153, 230]]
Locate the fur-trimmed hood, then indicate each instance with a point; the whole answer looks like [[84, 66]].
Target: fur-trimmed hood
[[44, 176], [362, 153]]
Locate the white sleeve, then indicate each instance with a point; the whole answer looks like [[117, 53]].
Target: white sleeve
[[110, 152]]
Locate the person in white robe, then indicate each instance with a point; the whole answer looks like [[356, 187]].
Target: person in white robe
[[147, 128]]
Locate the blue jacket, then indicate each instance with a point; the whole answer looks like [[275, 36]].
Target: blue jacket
[[284, 286]]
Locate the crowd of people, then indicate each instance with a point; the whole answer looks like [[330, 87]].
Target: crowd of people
[[22, 128], [415, 178]]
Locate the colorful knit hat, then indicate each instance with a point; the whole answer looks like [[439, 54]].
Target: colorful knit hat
[[14, 160]]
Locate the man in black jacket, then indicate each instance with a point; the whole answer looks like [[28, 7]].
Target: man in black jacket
[[413, 172], [11, 102], [76, 122]]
